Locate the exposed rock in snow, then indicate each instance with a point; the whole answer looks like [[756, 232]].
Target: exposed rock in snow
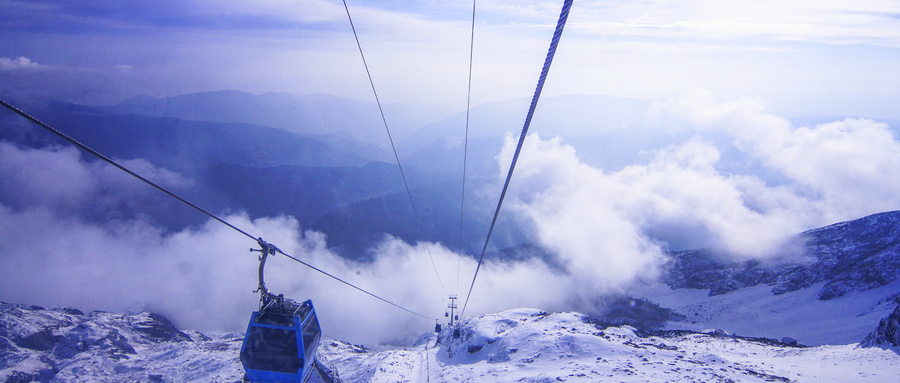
[[66, 345], [839, 282], [887, 334], [849, 256]]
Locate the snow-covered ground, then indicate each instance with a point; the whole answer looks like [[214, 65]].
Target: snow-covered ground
[[66, 345], [756, 311], [522, 345], [528, 345]]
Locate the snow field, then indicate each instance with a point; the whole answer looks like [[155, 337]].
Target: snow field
[[527, 345]]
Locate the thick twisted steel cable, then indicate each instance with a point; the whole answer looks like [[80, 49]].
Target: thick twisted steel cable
[[564, 14]]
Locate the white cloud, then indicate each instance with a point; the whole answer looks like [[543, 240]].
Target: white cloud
[[836, 22], [33, 177], [847, 168], [56, 179], [854, 164], [609, 226], [204, 278], [309, 11], [575, 213], [612, 225], [18, 64]]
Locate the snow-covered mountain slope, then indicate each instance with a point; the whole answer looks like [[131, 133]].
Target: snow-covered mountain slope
[[850, 256], [528, 345], [523, 345], [755, 311], [66, 345], [834, 288]]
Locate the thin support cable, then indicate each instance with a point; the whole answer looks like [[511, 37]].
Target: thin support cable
[[354, 286], [564, 14], [114, 163], [462, 202], [173, 195], [394, 148]]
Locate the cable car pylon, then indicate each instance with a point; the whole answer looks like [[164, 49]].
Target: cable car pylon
[[451, 313]]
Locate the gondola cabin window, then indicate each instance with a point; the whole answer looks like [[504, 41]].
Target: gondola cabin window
[[272, 349]]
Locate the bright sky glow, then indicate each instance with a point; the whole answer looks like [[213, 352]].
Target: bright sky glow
[[804, 57]]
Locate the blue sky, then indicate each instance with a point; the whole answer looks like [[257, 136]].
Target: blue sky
[[803, 57]]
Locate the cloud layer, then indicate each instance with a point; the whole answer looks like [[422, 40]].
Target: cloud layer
[[203, 277], [608, 228], [17, 64], [833, 172]]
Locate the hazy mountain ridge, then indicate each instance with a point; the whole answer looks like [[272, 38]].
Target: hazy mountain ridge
[[568, 116], [608, 132], [183, 145], [433, 161], [354, 228], [305, 193], [147, 128], [856, 255], [309, 113], [261, 170], [432, 155]]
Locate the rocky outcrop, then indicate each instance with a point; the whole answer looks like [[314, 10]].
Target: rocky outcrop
[[887, 334], [850, 256], [63, 344], [158, 328]]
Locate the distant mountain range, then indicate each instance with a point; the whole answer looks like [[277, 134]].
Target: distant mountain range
[[335, 183], [324, 159], [305, 114]]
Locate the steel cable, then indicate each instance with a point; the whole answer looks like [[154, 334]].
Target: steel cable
[[397, 157], [564, 14]]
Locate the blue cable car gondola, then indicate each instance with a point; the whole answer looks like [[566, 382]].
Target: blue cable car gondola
[[282, 337]]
